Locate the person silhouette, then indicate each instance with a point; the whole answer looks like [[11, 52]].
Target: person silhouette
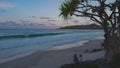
[[80, 58], [75, 59]]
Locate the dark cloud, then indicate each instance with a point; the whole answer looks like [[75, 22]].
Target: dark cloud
[[45, 18], [24, 21], [40, 17], [52, 24], [33, 16], [52, 20]]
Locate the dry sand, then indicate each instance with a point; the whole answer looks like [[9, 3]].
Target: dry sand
[[54, 58]]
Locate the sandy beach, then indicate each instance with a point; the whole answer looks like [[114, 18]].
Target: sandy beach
[[55, 57]]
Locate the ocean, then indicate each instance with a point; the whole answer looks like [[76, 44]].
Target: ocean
[[18, 41]]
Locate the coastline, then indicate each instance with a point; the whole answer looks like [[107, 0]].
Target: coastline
[[54, 58], [59, 47]]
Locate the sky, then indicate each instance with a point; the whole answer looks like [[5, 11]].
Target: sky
[[34, 14]]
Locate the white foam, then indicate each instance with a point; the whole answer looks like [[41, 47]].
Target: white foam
[[66, 46], [15, 57]]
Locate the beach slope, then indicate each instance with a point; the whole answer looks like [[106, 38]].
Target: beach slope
[[55, 58]]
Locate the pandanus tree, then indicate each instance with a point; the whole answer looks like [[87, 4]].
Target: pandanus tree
[[104, 12]]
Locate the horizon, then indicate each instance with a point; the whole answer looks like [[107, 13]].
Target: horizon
[[34, 14]]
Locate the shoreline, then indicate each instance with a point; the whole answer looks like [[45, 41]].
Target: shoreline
[[42, 59], [67, 46], [59, 47]]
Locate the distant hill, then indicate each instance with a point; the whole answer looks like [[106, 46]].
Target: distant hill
[[91, 26]]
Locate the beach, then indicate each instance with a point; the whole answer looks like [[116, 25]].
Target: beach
[[56, 56]]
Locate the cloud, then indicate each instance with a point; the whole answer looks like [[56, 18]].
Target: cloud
[[44, 17], [35, 17], [52, 20], [76, 21], [24, 21], [23, 25], [5, 5]]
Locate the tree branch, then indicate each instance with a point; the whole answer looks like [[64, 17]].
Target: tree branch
[[96, 20], [86, 13]]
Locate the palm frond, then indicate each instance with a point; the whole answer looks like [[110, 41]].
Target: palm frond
[[68, 7]]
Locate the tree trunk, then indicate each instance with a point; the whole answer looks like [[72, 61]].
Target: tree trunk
[[111, 47]]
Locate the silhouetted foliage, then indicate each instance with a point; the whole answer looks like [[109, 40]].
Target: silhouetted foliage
[[104, 12]]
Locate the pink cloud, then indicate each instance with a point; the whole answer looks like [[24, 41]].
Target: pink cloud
[[76, 21], [15, 24]]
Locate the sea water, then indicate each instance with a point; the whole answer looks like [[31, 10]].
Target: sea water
[[18, 41]]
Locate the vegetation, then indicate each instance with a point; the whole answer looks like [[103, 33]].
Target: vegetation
[[104, 12], [90, 26]]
